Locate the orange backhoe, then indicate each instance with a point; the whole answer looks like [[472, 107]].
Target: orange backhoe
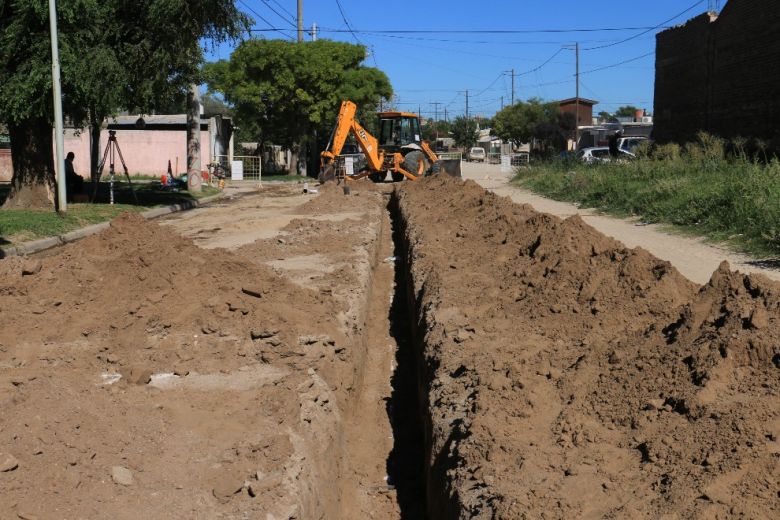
[[399, 149]]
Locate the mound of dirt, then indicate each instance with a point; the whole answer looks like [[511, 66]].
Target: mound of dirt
[[567, 376], [143, 376]]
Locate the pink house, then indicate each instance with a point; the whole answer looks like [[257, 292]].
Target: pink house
[[146, 150]]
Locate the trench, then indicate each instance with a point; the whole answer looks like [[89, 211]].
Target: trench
[[406, 466]]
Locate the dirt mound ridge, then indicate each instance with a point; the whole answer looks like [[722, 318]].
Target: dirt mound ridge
[[139, 284], [569, 376]]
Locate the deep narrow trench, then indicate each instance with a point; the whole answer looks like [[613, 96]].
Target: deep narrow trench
[[406, 462]]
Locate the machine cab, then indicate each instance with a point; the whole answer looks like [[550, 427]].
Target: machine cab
[[398, 130]]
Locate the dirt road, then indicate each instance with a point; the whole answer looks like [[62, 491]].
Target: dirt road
[[693, 257]]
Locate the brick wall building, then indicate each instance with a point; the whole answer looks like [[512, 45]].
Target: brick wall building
[[720, 73]]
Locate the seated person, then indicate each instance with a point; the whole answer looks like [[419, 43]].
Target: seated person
[[74, 181]]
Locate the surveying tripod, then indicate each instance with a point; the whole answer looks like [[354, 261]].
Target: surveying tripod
[[110, 153]]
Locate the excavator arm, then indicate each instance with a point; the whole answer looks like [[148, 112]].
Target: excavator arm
[[345, 124]]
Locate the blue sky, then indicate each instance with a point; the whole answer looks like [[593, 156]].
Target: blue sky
[[435, 65]]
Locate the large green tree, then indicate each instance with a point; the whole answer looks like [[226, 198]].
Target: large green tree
[[289, 93], [464, 131], [114, 54], [534, 120]]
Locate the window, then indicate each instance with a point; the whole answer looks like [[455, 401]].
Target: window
[[399, 131]]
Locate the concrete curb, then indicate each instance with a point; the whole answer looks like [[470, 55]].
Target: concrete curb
[[36, 246]]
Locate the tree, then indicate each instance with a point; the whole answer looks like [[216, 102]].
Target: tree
[[464, 132], [606, 117], [524, 121], [114, 54], [626, 111], [436, 128], [290, 93]]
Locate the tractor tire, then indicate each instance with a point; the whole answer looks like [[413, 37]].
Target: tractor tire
[[378, 177], [415, 162], [435, 169]]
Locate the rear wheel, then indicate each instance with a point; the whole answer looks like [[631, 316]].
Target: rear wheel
[[415, 162]]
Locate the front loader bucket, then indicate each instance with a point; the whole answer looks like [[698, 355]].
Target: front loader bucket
[[450, 167]]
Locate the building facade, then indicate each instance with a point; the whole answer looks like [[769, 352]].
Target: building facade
[[721, 74]]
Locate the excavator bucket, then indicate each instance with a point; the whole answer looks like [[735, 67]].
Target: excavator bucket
[[450, 167]]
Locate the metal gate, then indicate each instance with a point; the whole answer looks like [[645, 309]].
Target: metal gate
[[252, 166]]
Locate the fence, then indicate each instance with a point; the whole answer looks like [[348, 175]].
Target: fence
[[519, 159], [493, 158], [450, 155], [251, 164]]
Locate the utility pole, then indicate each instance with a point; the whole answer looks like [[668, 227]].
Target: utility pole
[[502, 102], [62, 194], [435, 110], [300, 21], [314, 32], [419, 111], [512, 74], [467, 104], [577, 99], [445, 115]]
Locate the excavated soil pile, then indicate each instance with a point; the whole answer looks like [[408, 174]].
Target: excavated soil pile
[[563, 375], [142, 376]]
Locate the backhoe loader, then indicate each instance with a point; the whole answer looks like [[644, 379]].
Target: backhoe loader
[[399, 149]]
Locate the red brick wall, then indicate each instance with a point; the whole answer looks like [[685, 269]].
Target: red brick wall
[[722, 76]]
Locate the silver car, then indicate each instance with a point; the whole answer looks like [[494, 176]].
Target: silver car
[[600, 154]]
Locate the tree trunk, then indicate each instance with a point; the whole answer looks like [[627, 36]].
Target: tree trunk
[[193, 140], [33, 183], [293, 160]]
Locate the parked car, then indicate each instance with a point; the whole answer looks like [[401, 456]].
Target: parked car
[[601, 154], [477, 154], [629, 143]]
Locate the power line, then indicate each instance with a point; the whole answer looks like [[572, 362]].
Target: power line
[[261, 17], [349, 27], [283, 8], [649, 29], [619, 63], [268, 4], [497, 31], [543, 64]]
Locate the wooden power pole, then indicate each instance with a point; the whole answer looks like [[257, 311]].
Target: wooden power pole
[[300, 21]]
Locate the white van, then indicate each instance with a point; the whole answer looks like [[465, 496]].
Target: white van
[[477, 154]]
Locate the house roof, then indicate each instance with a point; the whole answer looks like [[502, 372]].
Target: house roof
[[583, 101]]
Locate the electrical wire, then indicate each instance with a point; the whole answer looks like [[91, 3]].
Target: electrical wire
[[258, 15], [292, 16], [494, 31], [664, 23], [268, 4], [543, 64], [618, 64]]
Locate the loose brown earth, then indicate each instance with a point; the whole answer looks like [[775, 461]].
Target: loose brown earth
[[287, 356]]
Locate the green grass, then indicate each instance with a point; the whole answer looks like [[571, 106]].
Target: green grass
[[21, 225], [697, 188]]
